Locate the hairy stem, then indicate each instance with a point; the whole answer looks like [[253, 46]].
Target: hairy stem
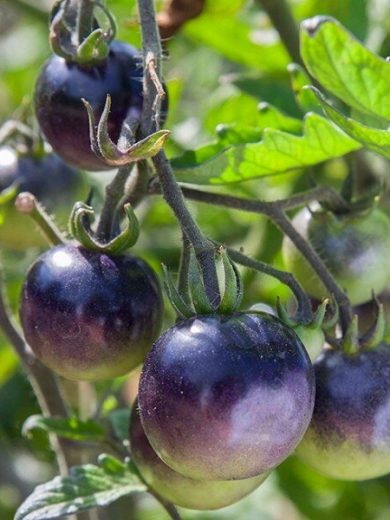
[[184, 265], [204, 249], [27, 204], [275, 212], [113, 193], [85, 18], [304, 311], [282, 19]]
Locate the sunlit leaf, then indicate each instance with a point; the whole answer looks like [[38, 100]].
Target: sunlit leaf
[[86, 487], [375, 139], [69, 428], [345, 67], [277, 153]]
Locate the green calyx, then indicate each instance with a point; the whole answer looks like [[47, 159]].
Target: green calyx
[[311, 334], [197, 301], [75, 34], [80, 228], [352, 343]]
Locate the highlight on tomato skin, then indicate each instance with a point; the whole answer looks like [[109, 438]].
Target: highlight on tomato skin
[[180, 490], [226, 397], [54, 183], [89, 316], [355, 248], [349, 434]]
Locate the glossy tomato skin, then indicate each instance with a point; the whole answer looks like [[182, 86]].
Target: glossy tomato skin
[[61, 113], [90, 316], [349, 435], [54, 183], [183, 491], [355, 248], [226, 397]]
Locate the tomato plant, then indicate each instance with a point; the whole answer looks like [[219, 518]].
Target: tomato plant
[[188, 309]]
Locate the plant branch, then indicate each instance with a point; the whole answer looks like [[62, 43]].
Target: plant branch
[[275, 211], [113, 193], [183, 269], [320, 193], [304, 311], [27, 204], [282, 19], [84, 18], [204, 249]]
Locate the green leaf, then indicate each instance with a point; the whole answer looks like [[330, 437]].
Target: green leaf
[[279, 152], [304, 97], [345, 67], [69, 428], [86, 487], [375, 139]]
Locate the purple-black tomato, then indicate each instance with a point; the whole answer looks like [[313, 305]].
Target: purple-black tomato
[[226, 397], [90, 316], [61, 113], [183, 491], [55, 184], [349, 435], [355, 248]]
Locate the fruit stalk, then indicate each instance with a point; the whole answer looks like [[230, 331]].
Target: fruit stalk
[[113, 193], [276, 212], [204, 249], [304, 311]]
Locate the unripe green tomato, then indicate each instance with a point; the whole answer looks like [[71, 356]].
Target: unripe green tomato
[[313, 339], [355, 248], [183, 491]]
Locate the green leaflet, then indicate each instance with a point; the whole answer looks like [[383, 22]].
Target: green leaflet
[[86, 487], [278, 152], [69, 428], [345, 67], [373, 138]]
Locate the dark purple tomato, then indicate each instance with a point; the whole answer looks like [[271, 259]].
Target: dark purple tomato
[[61, 113], [183, 491], [349, 435], [55, 184], [226, 397], [90, 316]]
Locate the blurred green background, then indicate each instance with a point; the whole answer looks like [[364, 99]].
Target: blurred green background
[[217, 69]]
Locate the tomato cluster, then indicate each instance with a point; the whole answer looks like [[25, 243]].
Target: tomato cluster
[[223, 398]]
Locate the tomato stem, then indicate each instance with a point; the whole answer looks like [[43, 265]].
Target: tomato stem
[[275, 211], [204, 249], [304, 311]]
